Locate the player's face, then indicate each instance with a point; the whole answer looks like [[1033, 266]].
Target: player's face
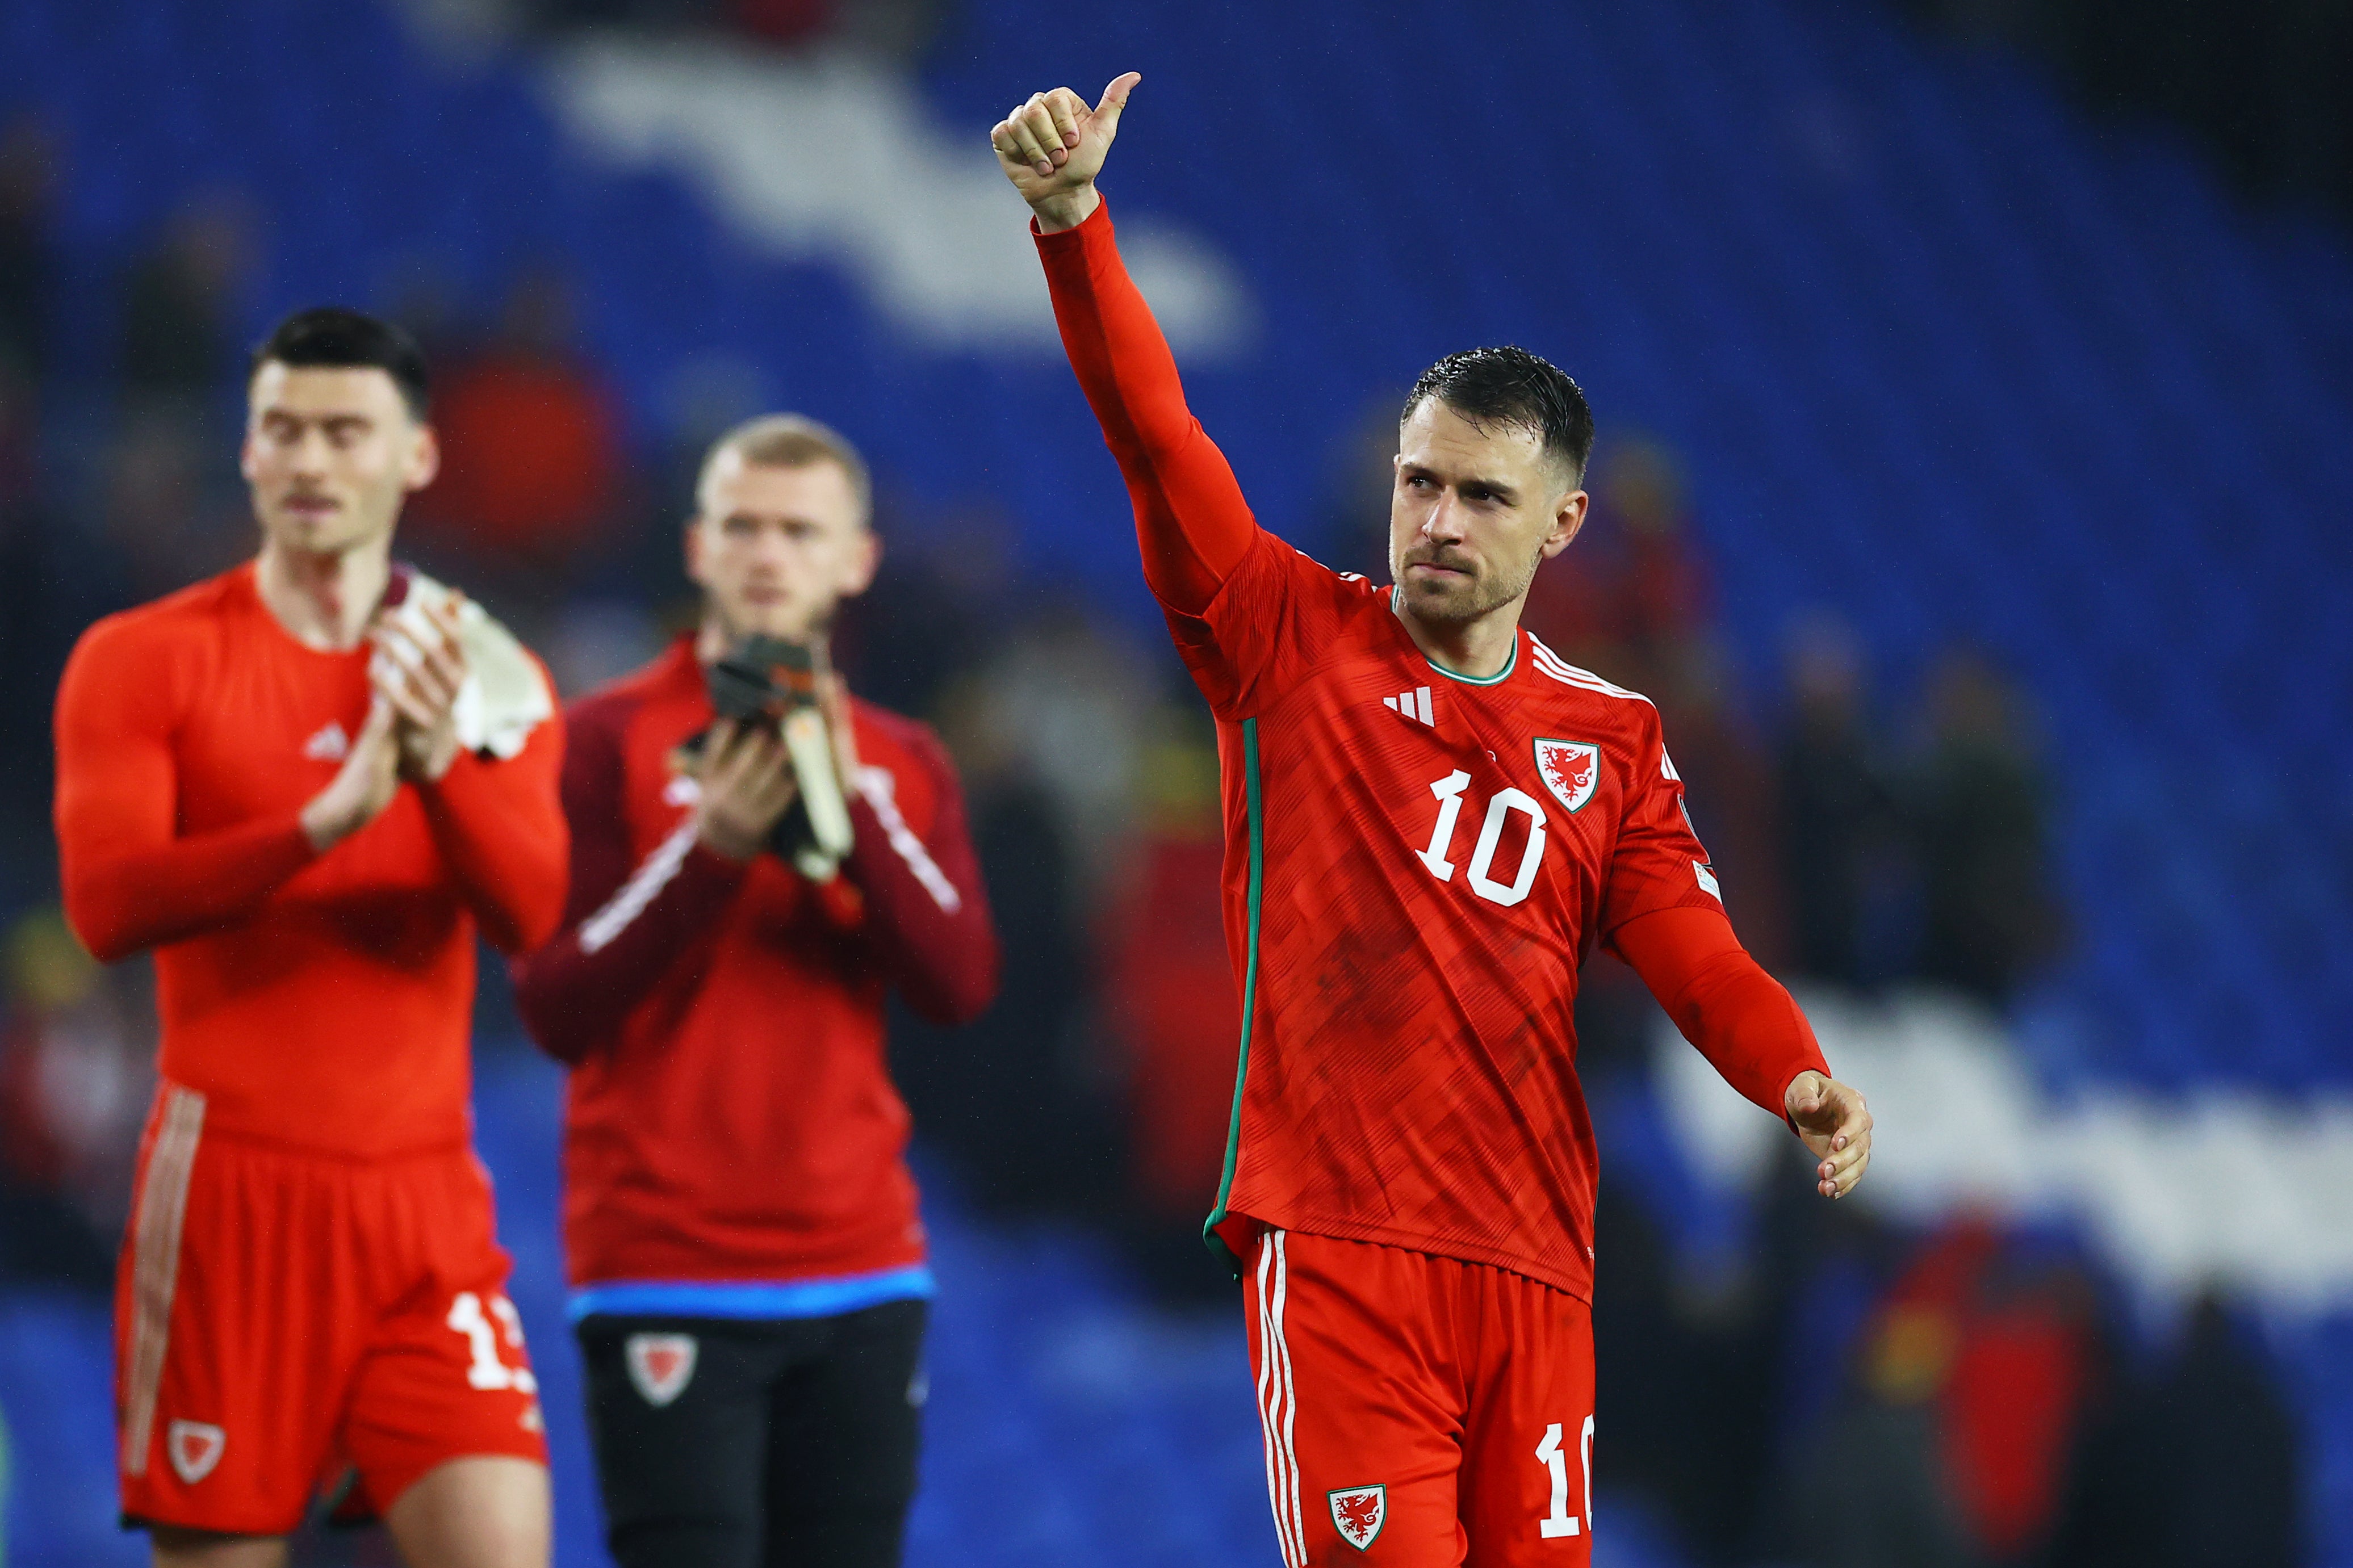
[[330, 453], [1473, 514], [777, 548]]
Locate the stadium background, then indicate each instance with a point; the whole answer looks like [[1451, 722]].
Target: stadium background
[[1974, 381]]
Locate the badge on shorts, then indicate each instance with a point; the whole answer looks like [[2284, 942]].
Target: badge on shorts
[[661, 1365], [194, 1448], [1357, 1513], [1570, 769]]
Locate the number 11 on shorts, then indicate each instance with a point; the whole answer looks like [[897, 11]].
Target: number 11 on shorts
[[1557, 1521]]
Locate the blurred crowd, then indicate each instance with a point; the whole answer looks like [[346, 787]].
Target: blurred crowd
[[1840, 1393]]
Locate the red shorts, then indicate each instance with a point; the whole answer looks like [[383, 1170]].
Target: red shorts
[[285, 1321], [1420, 1411]]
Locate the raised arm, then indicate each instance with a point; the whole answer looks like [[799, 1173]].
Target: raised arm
[[1191, 523]]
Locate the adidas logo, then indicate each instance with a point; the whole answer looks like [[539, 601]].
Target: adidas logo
[[1414, 704], [329, 745]]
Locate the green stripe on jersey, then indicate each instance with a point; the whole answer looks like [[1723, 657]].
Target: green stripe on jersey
[[1250, 991]]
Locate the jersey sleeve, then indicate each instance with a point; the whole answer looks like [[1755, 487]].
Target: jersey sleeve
[[131, 880], [499, 825], [626, 922], [1739, 1017], [1658, 863], [927, 914], [1225, 583]]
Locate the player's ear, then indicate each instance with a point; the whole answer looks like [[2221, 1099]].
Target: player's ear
[[865, 559], [692, 547], [1567, 518], [424, 460]]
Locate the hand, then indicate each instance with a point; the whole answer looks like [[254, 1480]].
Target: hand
[[747, 786], [421, 682], [1835, 1125], [1052, 147], [363, 786]]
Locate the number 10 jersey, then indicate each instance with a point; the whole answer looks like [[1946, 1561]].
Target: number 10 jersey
[[1417, 863]]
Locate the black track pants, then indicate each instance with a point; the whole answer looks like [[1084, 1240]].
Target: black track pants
[[757, 1445]]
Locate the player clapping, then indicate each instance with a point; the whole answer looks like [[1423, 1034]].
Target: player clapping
[[305, 784]]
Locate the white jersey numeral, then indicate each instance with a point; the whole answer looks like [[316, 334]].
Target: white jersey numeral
[[1557, 1521], [1449, 791], [490, 1370]]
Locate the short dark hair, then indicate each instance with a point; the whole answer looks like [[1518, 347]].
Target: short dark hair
[[332, 336], [1509, 386]]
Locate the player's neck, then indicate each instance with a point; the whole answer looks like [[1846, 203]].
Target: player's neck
[[1480, 648], [325, 599]]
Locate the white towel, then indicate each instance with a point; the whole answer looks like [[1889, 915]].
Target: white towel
[[505, 696]]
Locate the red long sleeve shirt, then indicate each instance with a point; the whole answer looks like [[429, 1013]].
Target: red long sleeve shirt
[[1417, 862], [731, 1115], [319, 1000]]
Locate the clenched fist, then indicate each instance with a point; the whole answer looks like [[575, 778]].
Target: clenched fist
[[1052, 147]]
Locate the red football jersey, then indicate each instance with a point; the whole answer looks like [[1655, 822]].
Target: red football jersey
[[1417, 864], [318, 1000], [731, 1115]]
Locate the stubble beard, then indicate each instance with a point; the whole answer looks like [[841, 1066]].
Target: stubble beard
[[1460, 604]]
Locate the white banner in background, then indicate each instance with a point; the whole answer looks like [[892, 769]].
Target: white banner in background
[[925, 220], [2254, 1192]]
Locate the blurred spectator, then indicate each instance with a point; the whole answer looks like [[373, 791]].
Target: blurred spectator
[[1869, 1490], [1728, 782], [1017, 1098], [180, 309], [2023, 1371], [1977, 809], [75, 1075], [1634, 590], [787, 22], [2198, 1467], [167, 528], [1169, 997], [1072, 696], [27, 180], [907, 642], [1665, 595], [530, 442], [1837, 813]]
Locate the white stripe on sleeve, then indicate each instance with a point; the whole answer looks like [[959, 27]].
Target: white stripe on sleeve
[[599, 929], [881, 791]]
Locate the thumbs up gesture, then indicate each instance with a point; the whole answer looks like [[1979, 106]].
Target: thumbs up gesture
[[1052, 147]]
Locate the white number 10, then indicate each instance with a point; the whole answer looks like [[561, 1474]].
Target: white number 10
[[1558, 1521], [1449, 791]]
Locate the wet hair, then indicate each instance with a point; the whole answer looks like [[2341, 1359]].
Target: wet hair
[[331, 337], [790, 441], [1509, 386]]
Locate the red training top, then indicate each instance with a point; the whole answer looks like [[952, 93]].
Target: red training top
[[318, 1000], [1417, 863], [731, 1115]]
